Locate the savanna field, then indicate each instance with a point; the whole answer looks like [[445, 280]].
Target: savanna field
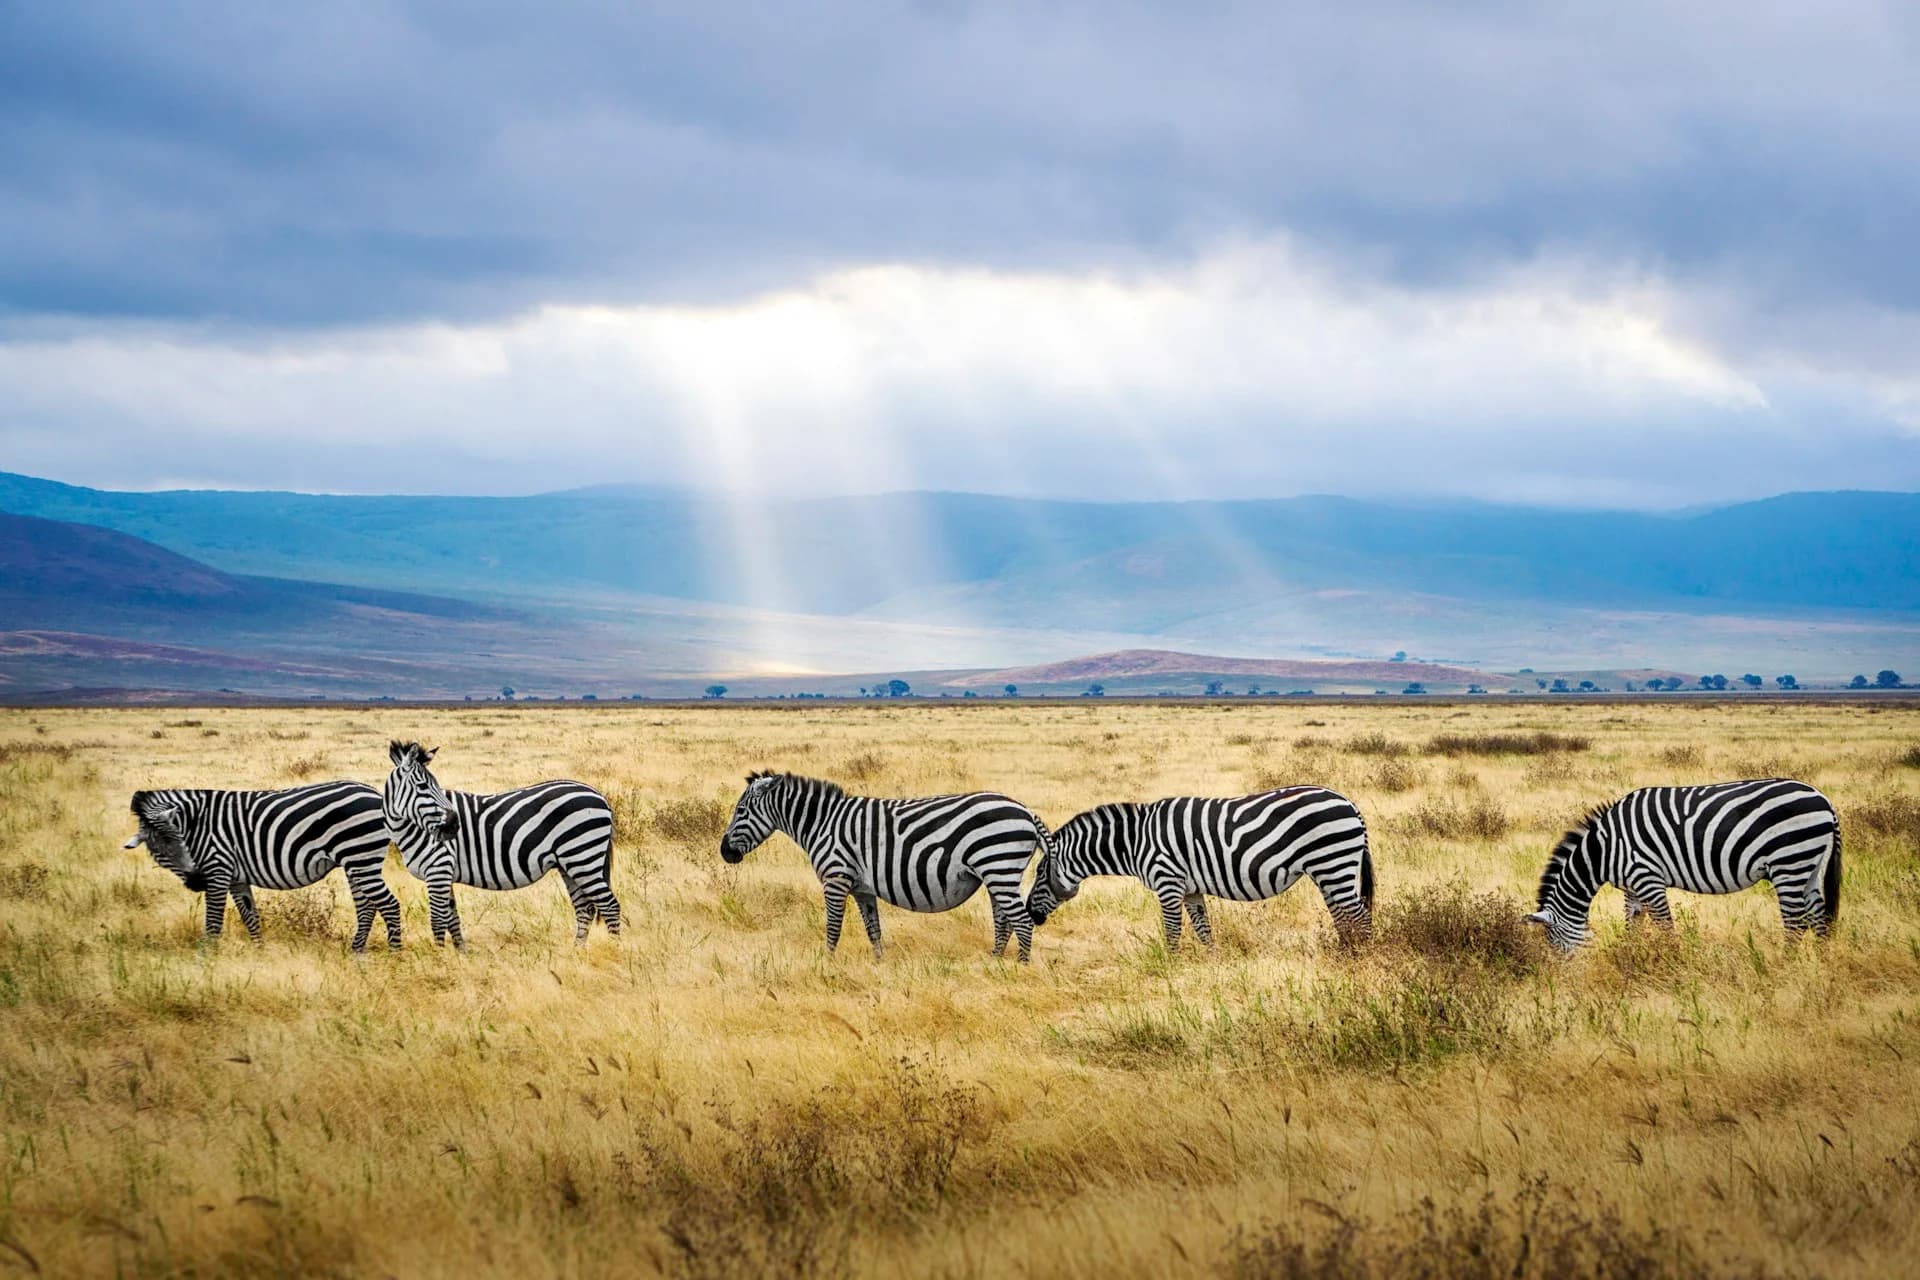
[[712, 1095]]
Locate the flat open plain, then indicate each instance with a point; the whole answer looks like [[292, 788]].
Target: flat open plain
[[713, 1095]]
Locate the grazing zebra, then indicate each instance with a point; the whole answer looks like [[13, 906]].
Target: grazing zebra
[[227, 843], [1719, 838], [1245, 848], [503, 841], [925, 855]]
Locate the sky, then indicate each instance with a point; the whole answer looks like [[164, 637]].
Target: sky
[[1633, 255]]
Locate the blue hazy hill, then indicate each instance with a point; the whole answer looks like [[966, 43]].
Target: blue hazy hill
[[1074, 560]]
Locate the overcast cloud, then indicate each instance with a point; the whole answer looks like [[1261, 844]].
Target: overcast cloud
[[1631, 255]]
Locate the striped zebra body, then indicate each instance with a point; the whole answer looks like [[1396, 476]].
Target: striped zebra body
[[1246, 848], [925, 855], [507, 840], [229, 843], [1719, 838]]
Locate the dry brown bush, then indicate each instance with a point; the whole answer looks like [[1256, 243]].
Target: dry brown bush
[[1537, 743]]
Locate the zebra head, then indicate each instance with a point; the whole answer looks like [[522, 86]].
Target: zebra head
[[1053, 883], [163, 829], [1566, 887], [755, 818], [415, 797]]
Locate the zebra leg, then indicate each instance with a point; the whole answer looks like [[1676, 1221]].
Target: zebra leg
[[1197, 909], [609, 908], [1799, 911], [1341, 891], [216, 907], [870, 916], [1171, 900], [836, 893], [249, 913], [371, 897], [583, 911], [1650, 900], [446, 916], [1009, 912]]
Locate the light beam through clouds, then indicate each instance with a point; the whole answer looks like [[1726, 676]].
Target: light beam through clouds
[[1263, 370]]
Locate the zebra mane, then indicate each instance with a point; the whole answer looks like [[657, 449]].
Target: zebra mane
[[140, 799], [1557, 861], [798, 779]]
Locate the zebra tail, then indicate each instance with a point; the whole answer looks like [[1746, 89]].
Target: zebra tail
[[1366, 872], [1830, 882]]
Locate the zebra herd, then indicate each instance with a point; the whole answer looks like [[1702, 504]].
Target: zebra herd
[[934, 854]]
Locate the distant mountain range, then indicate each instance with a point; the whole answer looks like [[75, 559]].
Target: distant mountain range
[[616, 589]]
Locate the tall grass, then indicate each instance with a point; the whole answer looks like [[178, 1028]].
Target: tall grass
[[712, 1096]]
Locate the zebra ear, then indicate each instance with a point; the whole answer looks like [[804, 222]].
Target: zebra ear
[[396, 752], [426, 755]]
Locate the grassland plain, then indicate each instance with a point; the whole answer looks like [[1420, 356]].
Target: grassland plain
[[712, 1095]]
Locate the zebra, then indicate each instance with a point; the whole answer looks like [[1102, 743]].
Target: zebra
[[1245, 848], [226, 843], [1718, 838], [924, 854], [504, 841]]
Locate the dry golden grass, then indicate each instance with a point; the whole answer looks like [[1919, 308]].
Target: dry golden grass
[[711, 1095]]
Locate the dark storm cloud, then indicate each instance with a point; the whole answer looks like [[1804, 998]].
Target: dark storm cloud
[[302, 165]]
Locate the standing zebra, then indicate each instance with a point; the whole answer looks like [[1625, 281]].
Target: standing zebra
[[925, 855], [1719, 838], [227, 843], [503, 841], [1246, 848]]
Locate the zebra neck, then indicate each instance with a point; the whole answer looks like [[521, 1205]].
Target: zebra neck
[[1112, 848], [1576, 878], [805, 816]]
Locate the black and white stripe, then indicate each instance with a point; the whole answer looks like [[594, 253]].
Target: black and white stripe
[[229, 843], [1246, 848], [1719, 838], [925, 855], [503, 841]]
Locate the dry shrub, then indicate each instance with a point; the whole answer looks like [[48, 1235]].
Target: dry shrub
[[1684, 756], [1450, 923], [864, 767], [296, 735], [1423, 1019], [1538, 743], [24, 882], [303, 767], [183, 724], [1394, 775], [1550, 771], [1312, 742], [1910, 758], [690, 820], [1238, 740], [1889, 813], [12, 751], [1539, 1233], [1481, 818], [1376, 744], [304, 913], [794, 1182]]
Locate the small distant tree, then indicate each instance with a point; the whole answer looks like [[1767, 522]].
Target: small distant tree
[[1752, 681], [969, 694], [897, 688], [863, 691], [1560, 686], [1253, 691], [1399, 655], [1629, 687], [506, 693], [1888, 679], [716, 691], [1588, 686], [1541, 683], [1415, 687], [1011, 690], [1096, 690], [1786, 682], [1713, 682], [1858, 682], [1215, 688], [1474, 688]]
